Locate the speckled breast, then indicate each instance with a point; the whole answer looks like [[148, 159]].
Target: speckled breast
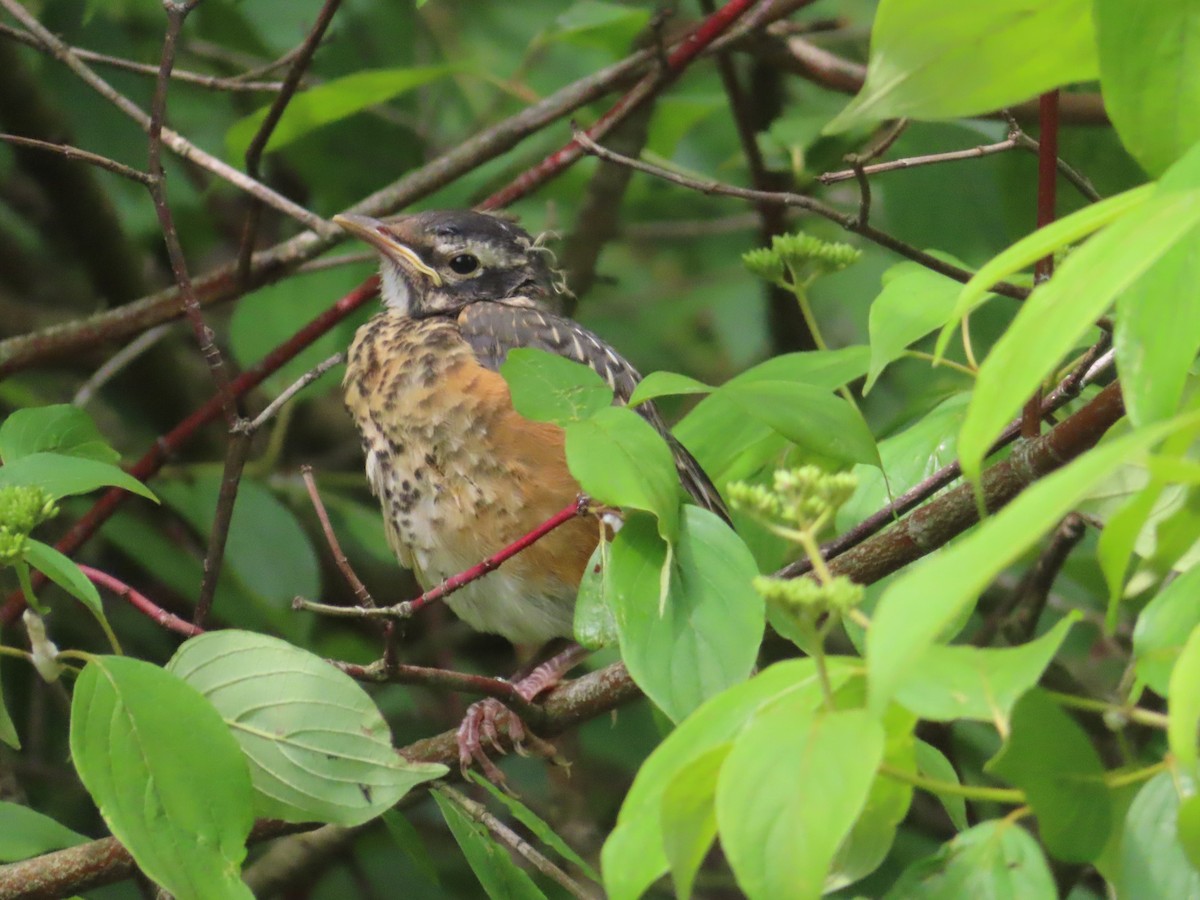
[[459, 474]]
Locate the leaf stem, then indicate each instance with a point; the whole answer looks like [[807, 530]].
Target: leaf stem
[[1132, 713], [953, 789]]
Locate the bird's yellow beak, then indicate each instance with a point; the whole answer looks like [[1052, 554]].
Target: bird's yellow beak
[[382, 236]]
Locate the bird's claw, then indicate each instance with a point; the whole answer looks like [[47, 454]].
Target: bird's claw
[[483, 722]]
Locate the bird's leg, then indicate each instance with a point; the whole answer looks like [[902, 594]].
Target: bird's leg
[[483, 718]]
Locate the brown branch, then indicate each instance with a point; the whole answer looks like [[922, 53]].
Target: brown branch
[[801, 201], [258, 143], [213, 82], [1089, 368], [913, 162], [678, 60], [236, 453], [173, 140], [77, 155], [22, 352], [361, 594], [513, 841], [176, 15], [140, 602]]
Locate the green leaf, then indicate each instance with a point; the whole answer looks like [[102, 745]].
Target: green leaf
[[619, 459], [63, 571], [808, 416], [607, 26], [318, 748], [8, 731], [62, 428], [546, 387], [1049, 757], [25, 833], [330, 102], [932, 763], [259, 520], [1187, 825], [930, 60], [730, 444], [665, 384], [408, 839], [1043, 242], [1183, 708], [913, 303], [633, 855], [1154, 360], [1153, 864], [168, 777], [919, 605], [63, 476], [1162, 629], [535, 824], [595, 625], [964, 682], [689, 817], [781, 825], [1149, 58], [704, 635], [1061, 311], [490, 862], [995, 860]]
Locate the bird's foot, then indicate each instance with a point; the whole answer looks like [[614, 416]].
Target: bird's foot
[[486, 719]]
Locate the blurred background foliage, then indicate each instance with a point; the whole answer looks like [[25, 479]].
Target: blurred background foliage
[[669, 290]]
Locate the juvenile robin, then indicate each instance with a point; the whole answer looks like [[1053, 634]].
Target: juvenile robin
[[458, 472]]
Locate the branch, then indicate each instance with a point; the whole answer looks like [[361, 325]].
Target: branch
[[140, 602], [75, 154], [811, 204]]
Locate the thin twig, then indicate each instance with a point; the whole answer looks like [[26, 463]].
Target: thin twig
[[92, 159], [406, 609], [1077, 179], [140, 602], [800, 201], [258, 143], [513, 841], [291, 391], [171, 139], [912, 162], [213, 82], [558, 161], [176, 15], [361, 594], [236, 453], [119, 361]]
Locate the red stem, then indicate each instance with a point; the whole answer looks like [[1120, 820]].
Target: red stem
[[454, 582], [703, 35], [154, 458], [1031, 420], [141, 602]]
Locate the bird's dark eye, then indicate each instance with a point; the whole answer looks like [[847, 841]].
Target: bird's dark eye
[[464, 263]]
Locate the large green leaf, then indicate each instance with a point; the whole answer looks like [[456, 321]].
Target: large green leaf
[[62, 429], [1154, 359], [964, 682], [633, 855], [1162, 629], [619, 459], [547, 387], [1050, 757], [935, 60], [8, 731], [63, 571], [317, 746], [781, 825], [168, 777], [1150, 76], [64, 476], [25, 833], [330, 102], [921, 604], [689, 817], [1183, 710], [995, 860], [700, 636], [1153, 864]]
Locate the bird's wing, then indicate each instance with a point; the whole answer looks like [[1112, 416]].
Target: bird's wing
[[493, 329]]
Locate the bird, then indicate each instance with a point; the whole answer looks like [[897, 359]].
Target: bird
[[458, 472]]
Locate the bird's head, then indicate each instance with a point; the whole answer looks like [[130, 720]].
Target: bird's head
[[437, 262]]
